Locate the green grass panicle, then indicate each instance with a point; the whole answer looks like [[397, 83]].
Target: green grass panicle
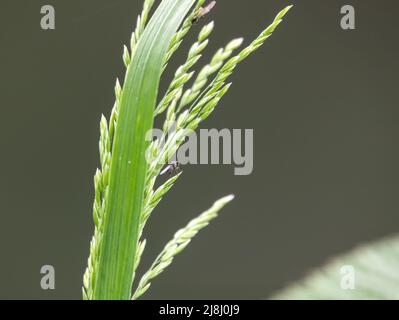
[[125, 193]]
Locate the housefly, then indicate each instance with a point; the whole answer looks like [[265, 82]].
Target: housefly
[[171, 169], [204, 11]]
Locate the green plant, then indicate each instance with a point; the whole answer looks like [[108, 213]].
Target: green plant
[[125, 193], [375, 271]]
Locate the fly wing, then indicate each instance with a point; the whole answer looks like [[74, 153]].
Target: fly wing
[[165, 170], [209, 7]]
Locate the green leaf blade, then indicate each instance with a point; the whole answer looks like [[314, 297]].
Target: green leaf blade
[[128, 164], [369, 272]]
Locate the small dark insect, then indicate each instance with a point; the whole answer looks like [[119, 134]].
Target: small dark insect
[[171, 169], [204, 11]]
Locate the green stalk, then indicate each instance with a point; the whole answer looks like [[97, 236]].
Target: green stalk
[[124, 201]]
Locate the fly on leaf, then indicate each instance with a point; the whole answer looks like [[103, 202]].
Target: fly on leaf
[[171, 169]]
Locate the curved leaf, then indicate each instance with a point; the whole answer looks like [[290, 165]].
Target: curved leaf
[[369, 272]]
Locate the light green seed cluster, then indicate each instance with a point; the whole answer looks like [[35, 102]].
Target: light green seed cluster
[[179, 242], [183, 74], [101, 181]]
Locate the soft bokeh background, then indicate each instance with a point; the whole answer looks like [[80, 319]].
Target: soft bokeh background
[[324, 106]]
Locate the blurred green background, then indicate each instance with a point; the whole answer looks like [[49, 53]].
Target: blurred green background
[[323, 104]]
